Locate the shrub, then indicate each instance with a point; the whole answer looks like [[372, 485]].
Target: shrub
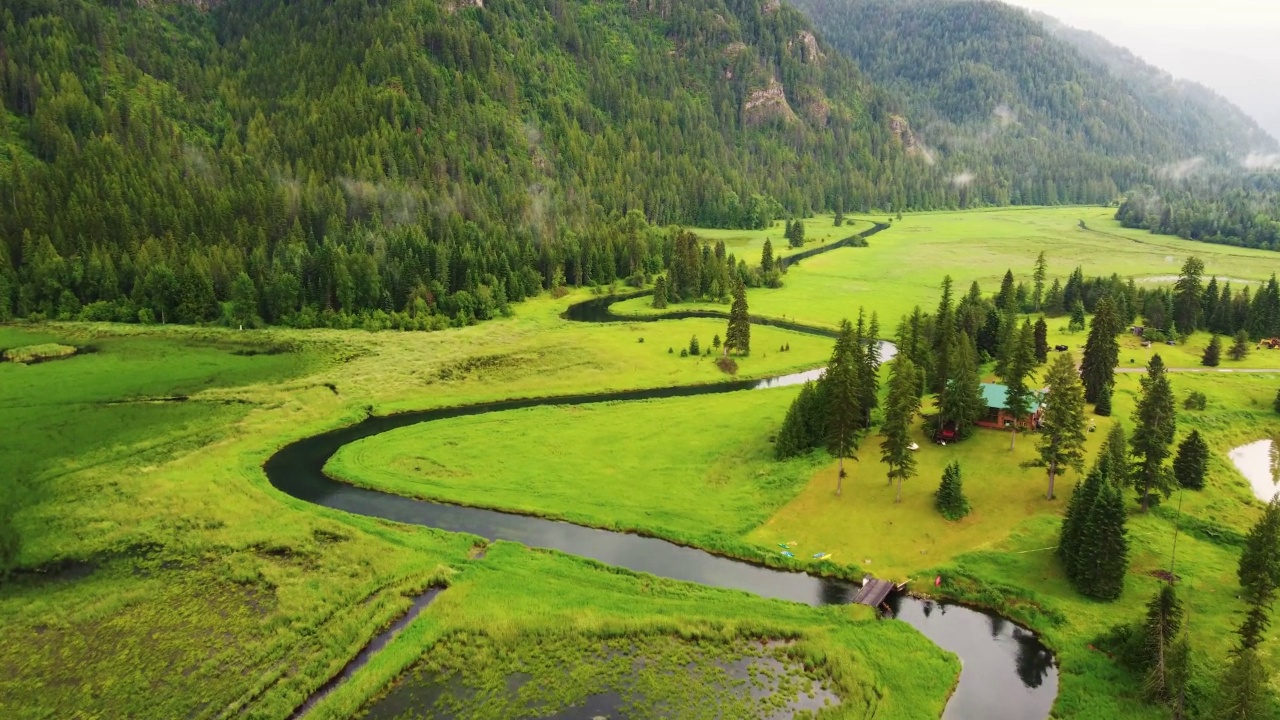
[[1191, 462], [671, 351], [641, 340], [684, 352], [1213, 353], [715, 342], [727, 364], [1195, 401]]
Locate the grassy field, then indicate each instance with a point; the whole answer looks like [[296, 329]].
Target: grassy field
[[161, 575], [818, 230], [905, 265]]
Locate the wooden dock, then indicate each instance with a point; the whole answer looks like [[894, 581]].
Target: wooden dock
[[873, 591]]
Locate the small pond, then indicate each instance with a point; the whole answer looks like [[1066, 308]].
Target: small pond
[[1259, 462]]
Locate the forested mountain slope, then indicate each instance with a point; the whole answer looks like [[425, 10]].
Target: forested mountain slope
[[313, 160], [1032, 117]]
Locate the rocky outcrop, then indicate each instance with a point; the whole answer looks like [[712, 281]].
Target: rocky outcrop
[[807, 45], [901, 130], [771, 6], [769, 103]]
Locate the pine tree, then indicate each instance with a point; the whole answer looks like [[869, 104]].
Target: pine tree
[[963, 404], [1113, 457], [1240, 347], [1259, 570], [1160, 634], [738, 336], [1245, 689], [1054, 301], [800, 433], [1070, 536], [1191, 462], [868, 357], [839, 219], [950, 499], [1212, 353], [1042, 341], [1004, 298], [766, 257], [1038, 279], [900, 411], [1101, 350], [944, 329], [840, 386], [1076, 323], [1188, 295], [1155, 421], [1103, 557], [1103, 406], [1018, 396], [660, 292], [694, 348], [1062, 433]]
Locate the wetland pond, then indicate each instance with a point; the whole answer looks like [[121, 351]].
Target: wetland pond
[[1259, 462]]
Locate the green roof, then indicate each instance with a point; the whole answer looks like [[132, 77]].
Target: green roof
[[996, 396]]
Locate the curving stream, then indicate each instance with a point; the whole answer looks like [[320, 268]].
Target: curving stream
[[1007, 673]]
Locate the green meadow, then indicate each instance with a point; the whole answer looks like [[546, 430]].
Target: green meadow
[[161, 575], [904, 266]]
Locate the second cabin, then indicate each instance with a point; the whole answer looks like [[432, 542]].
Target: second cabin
[[998, 415]]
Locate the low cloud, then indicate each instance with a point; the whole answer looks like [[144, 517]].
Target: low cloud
[[1261, 161], [1182, 169], [964, 179], [1005, 116]]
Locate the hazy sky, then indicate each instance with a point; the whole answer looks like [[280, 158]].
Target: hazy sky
[[1232, 46]]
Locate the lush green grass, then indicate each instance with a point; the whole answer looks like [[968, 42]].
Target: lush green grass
[[212, 594], [818, 230], [699, 469], [36, 353], [904, 265], [569, 604]]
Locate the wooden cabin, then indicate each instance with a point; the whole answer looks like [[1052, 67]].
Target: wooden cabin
[[998, 416]]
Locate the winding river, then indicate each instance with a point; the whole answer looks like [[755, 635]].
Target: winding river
[[1007, 673]]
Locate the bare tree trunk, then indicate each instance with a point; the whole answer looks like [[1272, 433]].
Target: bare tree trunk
[[1013, 436], [840, 477], [1146, 490], [898, 499], [1053, 471]]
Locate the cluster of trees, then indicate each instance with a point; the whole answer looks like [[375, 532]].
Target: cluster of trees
[[405, 164], [1158, 649], [833, 412], [1093, 545], [1036, 116], [1228, 209]]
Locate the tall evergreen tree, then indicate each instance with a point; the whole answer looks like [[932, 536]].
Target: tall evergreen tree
[[1062, 432], [766, 257], [944, 329], [1076, 323], [738, 336], [1259, 571], [1188, 295], [1244, 688], [1038, 277], [1155, 421], [1103, 406], [660, 292], [963, 404], [1042, 340], [1004, 298], [840, 386], [1113, 457], [950, 499], [1213, 353], [868, 367], [1160, 636], [803, 428], [1018, 396], [1101, 351], [1092, 545], [900, 411], [1191, 462]]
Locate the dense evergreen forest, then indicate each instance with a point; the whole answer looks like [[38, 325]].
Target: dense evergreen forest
[[1241, 210], [1025, 115], [409, 163]]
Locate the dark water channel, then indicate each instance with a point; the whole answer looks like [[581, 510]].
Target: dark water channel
[[1007, 673]]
